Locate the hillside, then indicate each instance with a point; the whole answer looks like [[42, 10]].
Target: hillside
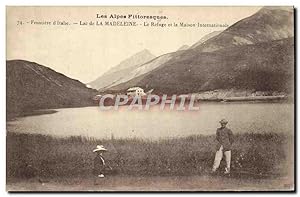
[[144, 69], [254, 53], [269, 23], [121, 74], [205, 38], [265, 66], [122, 69], [30, 86], [183, 47]]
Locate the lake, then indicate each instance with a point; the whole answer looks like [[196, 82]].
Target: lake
[[155, 123]]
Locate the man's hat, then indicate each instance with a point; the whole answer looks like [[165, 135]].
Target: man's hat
[[223, 121], [99, 148]]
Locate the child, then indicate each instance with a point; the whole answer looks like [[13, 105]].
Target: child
[[99, 163]]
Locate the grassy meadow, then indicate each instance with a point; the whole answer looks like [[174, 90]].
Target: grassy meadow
[[35, 155]]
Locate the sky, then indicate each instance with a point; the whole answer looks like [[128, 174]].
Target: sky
[[86, 52]]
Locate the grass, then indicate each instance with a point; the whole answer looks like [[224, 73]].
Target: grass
[[34, 155]]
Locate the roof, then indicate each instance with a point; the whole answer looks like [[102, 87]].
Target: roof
[[134, 88]]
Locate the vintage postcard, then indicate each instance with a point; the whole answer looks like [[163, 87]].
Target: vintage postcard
[[110, 99]]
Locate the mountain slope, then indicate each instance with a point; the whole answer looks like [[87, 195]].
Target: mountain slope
[[123, 76], [236, 67], [269, 23], [145, 68], [122, 69], [183, 47], [30, 86], [265, 66], [205, 38], [255, 53]]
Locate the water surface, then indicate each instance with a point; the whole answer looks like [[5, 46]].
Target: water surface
[[156, 123]]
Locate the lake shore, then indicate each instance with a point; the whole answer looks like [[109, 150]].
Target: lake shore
[[31, 113], [233, 95]]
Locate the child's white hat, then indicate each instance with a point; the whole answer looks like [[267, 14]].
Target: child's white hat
[[99, 148]]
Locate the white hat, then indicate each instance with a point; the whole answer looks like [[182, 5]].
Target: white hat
[[100, 148], [223, 121]]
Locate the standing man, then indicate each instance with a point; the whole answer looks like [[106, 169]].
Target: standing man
[[225, 140]]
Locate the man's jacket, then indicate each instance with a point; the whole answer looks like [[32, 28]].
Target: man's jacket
[[225, 138]]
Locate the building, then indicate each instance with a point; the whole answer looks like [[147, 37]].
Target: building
[[135, 91]]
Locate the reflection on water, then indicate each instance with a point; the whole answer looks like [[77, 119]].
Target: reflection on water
[[155, 123]]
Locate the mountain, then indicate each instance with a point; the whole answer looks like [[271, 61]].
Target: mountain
[[122, 69], [269, 23], [205, 38], [30, 86], [183, 47], [254, 53], [236, 67], [131, 73], [139, 70], [144, 68]]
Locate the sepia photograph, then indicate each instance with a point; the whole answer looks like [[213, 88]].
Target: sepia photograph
[[150, 99]]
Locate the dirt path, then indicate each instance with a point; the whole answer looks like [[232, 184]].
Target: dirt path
[[123, 183]]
